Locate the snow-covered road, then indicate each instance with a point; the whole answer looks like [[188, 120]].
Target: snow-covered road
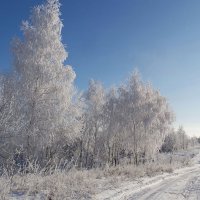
[[180, 185], [184, 186]]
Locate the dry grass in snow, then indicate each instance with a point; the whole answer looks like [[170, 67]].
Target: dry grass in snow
[[82, 184]]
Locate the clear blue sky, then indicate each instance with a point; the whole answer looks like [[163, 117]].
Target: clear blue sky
[[107, 39]]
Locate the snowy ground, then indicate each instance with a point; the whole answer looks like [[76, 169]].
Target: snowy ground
[[118, 183], [182, 184]]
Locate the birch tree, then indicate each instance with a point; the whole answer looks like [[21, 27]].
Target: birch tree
[[146, 117], [94, 99], [10, 121], [45, 83]]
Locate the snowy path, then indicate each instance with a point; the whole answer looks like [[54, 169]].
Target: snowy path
[[180, 185], [186, 186]]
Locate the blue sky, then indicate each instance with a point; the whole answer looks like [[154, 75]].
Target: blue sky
[[107, 39]]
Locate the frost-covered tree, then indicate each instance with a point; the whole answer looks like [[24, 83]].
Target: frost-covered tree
[[158, 122], [145, 117], [131, 98], [45, 83], [178, 140], [112, 127], [170, 143], [10, 121], [130, 121], [94, 100], [182, 138], [193, 141]]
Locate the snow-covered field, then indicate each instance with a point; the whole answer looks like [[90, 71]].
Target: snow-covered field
[[181, 184]]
